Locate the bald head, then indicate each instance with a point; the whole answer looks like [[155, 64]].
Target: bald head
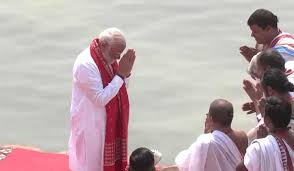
[[221, 112]]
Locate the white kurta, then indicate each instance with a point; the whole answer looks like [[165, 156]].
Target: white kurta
[[264, 155], [211, 152], [88, 114]]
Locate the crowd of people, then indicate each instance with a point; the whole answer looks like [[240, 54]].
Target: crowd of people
[[100, 110]]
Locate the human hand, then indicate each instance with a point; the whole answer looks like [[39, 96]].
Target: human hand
[[258, 90], [248, 52], [262, 131], [208, 125], [126, 63], [249, 107], [261, 106], [251, 90]]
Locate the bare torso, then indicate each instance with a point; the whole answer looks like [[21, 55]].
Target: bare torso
[[240, 139]]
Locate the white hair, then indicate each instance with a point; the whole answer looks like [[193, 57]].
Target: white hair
[[111, 35], [253, 68]]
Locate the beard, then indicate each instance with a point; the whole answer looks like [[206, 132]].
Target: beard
[[107, 56]]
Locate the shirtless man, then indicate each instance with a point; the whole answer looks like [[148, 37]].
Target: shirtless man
[[223, 146]]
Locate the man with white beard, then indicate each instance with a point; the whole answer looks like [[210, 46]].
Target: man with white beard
[[100, 105]]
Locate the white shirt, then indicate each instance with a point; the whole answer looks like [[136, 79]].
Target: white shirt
[[88, 114]]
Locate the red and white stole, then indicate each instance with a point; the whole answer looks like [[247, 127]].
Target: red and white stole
[[117, 115], [281, 36]]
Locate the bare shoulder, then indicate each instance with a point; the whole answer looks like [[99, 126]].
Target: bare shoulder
[[241, 140], [241, 136]]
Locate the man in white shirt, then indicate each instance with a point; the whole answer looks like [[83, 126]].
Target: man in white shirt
[[264, 28], [100, 105], [220, 148]]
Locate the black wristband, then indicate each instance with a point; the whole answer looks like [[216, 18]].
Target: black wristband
[[120, 76]]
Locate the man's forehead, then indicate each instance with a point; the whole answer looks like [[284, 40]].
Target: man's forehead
[[118, 47], [118, 42], [255, 27]]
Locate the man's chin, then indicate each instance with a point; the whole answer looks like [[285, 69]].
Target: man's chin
[[259, 42]]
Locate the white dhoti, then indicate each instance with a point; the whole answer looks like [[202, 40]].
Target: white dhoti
[[211, 152]]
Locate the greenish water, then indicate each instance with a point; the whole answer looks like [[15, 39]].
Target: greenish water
[[187, 55]]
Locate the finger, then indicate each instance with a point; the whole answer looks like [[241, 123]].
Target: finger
[[250, 112], [244, 54], [245, 108], [244, 48], [130, 51], [246, 82], [132, 56], [246, 104], [252, 49], [132, 60], [247, 90]]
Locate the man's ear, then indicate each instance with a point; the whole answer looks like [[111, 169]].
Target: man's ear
[[270, 90], [267, 121], [103, 44], [268, 28], [267, 67]]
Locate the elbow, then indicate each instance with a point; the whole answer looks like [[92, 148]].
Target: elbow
[[100, 99]]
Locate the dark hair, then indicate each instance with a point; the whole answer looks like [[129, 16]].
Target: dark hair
[[272, 58], [263, 18], [141, 159], [221, 111], [277, 80], [278, 111]]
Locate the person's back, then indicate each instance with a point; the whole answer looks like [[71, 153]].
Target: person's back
[[221, 149], [224, 153], [221, 114], [240, 139], [84, 117]]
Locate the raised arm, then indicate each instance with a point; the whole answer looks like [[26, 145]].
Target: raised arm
[[89, 79]]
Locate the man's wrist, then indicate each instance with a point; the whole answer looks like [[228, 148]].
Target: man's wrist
[[128, 75], [122, 77]]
